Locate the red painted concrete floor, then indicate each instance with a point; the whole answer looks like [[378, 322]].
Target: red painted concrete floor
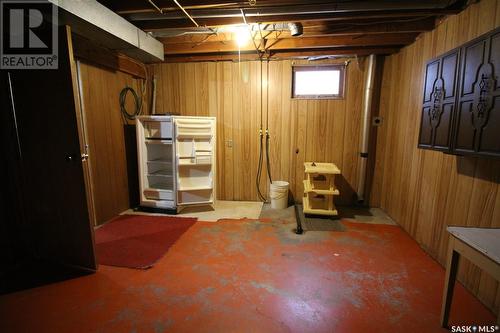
[[251, 276]]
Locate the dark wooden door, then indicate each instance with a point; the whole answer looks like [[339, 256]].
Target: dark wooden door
[[477, 124], [439, 102], [45, 138]]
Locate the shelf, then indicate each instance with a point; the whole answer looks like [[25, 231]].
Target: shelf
[[160, 161], [194, 188], [158, 141], [323, 168], [196, 124], [194, 135], [161, 186], [160, 182], [193, 164], [209, 202], [308, 210], [158, 194], [195, 160], [307, 189], [194, 196], [160, 173]]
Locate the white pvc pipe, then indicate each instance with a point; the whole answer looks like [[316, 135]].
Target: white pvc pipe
[[365, 127]]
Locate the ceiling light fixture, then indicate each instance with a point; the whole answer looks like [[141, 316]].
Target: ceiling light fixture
[[242, 35]]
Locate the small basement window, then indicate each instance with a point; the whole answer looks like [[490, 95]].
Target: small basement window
[[323, 81]]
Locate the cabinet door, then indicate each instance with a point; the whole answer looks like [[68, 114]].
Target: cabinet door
[[439, 102], [477, 122], [49, 169]]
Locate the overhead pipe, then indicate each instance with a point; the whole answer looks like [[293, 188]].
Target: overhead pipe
[[296, 29], [365, 127], [421, 9], [155, 6], [187, 14]]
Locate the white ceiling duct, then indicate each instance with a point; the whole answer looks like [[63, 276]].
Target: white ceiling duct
[[92, 20], [296, 29]]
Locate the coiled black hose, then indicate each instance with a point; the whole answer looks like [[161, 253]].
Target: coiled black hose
[[138, 104]]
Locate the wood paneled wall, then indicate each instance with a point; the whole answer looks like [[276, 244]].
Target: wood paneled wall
[[422, 190], [104, 126], [301, 130]]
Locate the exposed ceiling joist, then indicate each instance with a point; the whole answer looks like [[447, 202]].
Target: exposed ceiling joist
[[321, 26], [266, 7], [384, 16], [318, 30], [282, 54], [295, 43]]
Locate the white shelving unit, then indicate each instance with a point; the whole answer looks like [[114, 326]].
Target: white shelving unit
[[319, 188], [176, 157], [195, 160]]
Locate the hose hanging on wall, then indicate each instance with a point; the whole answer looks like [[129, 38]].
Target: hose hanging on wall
[[259, 168], [268, 136], [138, 104], [261, 133]]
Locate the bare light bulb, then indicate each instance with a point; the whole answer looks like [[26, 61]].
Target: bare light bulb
[[242, 36]]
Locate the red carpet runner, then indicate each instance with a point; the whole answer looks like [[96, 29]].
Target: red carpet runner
[[138, 241]]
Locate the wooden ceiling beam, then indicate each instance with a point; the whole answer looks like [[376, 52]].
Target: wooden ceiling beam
[[128, 6], [318, 30], [294, 43], [167, 23], [143, 6], [89, 51], [283, 54], [360, 27]]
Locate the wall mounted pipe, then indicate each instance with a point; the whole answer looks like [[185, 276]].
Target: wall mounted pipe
[[365, 126]]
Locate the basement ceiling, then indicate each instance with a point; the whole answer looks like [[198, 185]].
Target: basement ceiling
[[329, 28]]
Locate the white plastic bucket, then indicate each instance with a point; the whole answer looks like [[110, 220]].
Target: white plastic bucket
[[278, 192]]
